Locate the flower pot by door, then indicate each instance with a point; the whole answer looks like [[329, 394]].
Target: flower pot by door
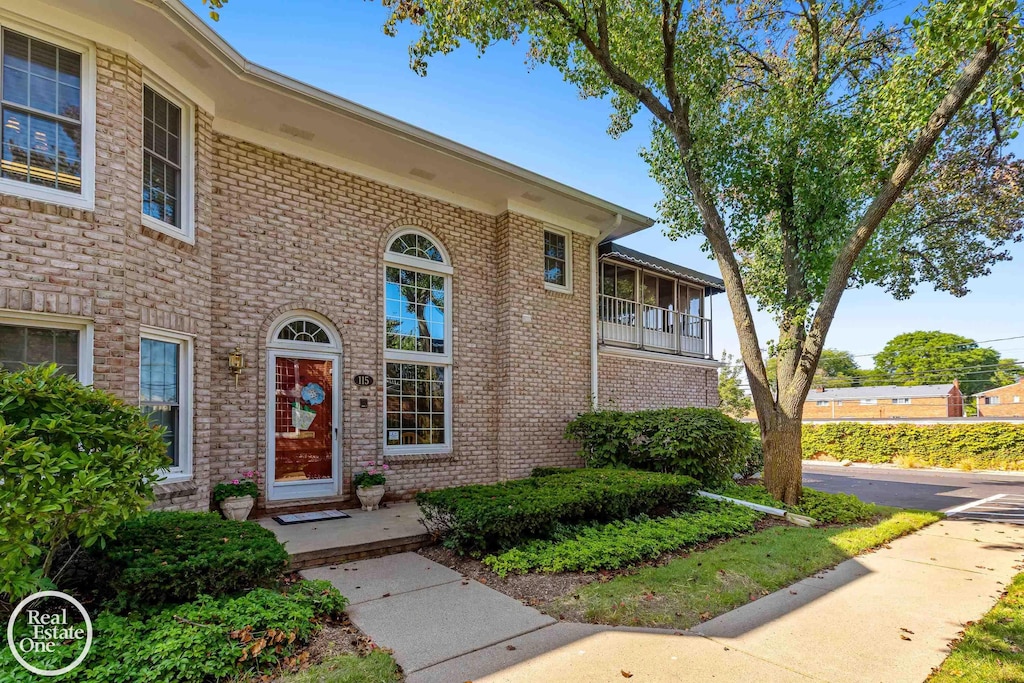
[[370, 496], [237, 507]]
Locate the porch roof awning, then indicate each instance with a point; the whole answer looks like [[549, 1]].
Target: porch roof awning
[[712, 284]]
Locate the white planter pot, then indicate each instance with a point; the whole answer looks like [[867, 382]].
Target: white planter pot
[[237, 507], [370, 496]]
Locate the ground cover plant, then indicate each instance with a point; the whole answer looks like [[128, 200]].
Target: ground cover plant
[[989, 445], [991, 649], [376, 667], [702, 443], [167, 557], [622, 543], [76, 463], [826, 508], [498, 516], [691, 589], [208, 639]]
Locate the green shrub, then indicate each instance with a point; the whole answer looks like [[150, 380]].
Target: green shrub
[[828, 508], [755, 459], [623, 543], [206, 640], [989, 445], [702, 443], [74, 464], [481, 517], [165, 557]]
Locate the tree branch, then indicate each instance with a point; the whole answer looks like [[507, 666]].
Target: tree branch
[[908, 164], [670, 16]]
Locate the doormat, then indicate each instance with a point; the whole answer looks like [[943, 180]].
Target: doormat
[[303, 517]]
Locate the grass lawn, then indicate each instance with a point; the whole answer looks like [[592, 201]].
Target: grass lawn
[[992, 649], [376, 667], [702, 585]]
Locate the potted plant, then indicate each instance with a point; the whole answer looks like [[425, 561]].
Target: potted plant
[[370, 484], [237, 496]]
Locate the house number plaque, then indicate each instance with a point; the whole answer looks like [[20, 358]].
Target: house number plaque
[[363, 380]]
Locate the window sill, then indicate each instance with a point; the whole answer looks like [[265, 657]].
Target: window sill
[[187, 237], [179, 485], [43, 194], [557, 289], [407, 456]]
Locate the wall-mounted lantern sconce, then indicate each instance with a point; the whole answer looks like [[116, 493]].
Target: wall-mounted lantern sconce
[[236, 363]]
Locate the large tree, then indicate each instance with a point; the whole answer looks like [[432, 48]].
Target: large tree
[[932, 357], [814, 144]]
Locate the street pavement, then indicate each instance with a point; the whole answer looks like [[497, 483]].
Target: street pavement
[[971, 495]]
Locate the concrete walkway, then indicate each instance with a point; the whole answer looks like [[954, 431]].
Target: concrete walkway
[[883, 617]]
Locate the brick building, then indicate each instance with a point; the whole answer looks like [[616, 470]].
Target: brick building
[[927, 400], [290, 282], [1004, 401]]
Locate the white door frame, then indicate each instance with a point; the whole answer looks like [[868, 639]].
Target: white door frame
[[303, 489]]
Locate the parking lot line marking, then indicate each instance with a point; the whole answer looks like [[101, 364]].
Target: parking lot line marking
[[968, 506]]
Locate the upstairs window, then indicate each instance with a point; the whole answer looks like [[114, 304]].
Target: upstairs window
[[166, 167], [869, 401], [901, 401], [558, 260], [41, 94], [821, 404]]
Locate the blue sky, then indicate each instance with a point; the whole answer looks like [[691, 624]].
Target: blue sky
[[536, 120]]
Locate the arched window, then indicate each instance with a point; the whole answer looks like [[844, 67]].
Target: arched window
[[304, 330], [417, 344]]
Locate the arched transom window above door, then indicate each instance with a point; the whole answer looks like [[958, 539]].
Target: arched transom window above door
[[417, 344], [303, 330]]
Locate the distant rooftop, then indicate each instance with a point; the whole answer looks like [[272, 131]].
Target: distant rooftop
[[889, 391], [712, 284]]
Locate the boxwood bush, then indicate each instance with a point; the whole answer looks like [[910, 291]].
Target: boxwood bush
[[166, 557], [702, 443], [987, 445], [480, 517], [623, 543], [210, 639], [75, 463]]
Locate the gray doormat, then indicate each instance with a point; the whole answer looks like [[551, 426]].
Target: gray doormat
[[303, 517]]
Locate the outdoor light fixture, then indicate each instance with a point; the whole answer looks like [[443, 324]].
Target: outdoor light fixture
[[236, 363]]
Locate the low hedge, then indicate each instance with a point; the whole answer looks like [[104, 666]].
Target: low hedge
[[167, 557], [702, 443], [987, 445], [210, 639], [482, 517], [623, 543]]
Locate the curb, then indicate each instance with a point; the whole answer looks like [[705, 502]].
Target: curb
[[888, 466]]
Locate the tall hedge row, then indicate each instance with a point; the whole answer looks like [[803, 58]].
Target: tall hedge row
[[988, 445]]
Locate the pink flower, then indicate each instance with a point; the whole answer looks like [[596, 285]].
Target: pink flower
[[386, 467], [234, 481]]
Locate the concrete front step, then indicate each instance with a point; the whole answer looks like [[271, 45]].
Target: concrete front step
[[395, 529]]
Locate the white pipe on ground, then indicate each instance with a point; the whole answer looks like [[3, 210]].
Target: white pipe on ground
[[799, 520]]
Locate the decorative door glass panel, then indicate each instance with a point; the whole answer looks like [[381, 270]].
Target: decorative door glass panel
[[303, 419]]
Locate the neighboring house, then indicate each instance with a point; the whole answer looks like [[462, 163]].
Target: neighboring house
[[1004, 401], [291, 282], [926, 400]]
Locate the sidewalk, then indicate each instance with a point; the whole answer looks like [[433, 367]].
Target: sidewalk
[[882, 617]]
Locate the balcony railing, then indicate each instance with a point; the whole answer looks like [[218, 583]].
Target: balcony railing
[[628, 323]]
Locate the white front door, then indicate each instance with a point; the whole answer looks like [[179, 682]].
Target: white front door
[[303, 418]]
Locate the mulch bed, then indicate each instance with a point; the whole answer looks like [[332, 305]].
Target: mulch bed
[[539, 589]]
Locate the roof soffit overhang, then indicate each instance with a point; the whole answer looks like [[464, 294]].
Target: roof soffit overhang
[[267, 108]]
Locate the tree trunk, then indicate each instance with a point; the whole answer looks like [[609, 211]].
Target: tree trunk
[[783, 458]]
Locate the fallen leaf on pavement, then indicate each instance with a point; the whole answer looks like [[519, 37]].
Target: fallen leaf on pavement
[[626, 674], [904, 637]]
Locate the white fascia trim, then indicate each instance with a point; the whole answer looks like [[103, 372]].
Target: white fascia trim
[[259, 75], [606, 350], [552, 219], [277, 143]]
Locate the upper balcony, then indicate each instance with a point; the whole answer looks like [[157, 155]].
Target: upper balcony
[[649, 304]]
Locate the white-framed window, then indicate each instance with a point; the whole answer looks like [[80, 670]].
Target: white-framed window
[[557, 260], [869, 401], [901, 401], [991, 400], [417, 345], [165, 393], [839, 403], [821, 404], [35, 338], [1016, 399], [167, 161], [47, 95]]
